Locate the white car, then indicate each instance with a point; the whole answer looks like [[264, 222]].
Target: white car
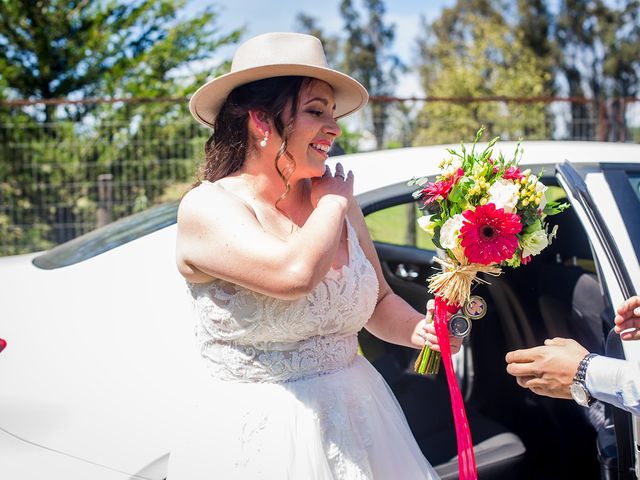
[[100, 340]]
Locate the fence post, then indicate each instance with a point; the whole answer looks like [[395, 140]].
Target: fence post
[[602, 125], [621, 120], [105, 199]]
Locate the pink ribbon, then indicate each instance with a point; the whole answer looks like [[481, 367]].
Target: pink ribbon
[[466, 458]]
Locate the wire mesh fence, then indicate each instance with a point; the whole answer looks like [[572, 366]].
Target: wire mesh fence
[[63, 178]]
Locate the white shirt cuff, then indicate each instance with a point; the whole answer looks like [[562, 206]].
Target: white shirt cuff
[[614, 381]]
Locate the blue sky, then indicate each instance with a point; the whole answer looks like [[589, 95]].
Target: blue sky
[[261, 16]]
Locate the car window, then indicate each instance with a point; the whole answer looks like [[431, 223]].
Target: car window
[[634, 178], [108, 237], [397, 225]]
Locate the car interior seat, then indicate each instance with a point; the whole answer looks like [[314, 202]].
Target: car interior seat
[[571, 300]]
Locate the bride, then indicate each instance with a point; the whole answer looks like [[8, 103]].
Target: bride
[[283, 275]]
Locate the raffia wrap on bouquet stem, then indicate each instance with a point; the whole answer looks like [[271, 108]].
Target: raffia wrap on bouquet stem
[[453, 285], [455, 281]]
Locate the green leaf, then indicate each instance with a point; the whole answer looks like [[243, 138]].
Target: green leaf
[[436, 237], [553, 208], [533, 227]]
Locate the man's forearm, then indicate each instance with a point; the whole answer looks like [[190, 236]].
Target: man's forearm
[[616, 382]]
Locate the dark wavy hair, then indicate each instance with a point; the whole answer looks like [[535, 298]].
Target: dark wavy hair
[[229, 144]]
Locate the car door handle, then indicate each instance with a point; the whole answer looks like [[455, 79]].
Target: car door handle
[[406, 273]]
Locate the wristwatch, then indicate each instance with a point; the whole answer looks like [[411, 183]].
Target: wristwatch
[[579, 390]]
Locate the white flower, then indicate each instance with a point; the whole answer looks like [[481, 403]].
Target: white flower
[[452, 167], [533, 243], [504, 194], [426, 224], [540, 187], [450, 232]]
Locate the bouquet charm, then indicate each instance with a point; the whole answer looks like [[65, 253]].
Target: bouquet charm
[[484, 214]]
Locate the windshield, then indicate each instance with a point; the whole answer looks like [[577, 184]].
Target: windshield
[[110, 236]]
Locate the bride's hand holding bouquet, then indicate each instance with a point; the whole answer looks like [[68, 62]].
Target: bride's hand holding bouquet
[[484, 213]]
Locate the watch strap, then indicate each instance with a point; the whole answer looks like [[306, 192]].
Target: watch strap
[[581, 373]]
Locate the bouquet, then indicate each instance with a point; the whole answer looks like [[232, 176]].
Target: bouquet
[[484, 213]]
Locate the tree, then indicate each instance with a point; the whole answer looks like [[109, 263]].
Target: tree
[[535, 23], [599, 45], [80, 49], [471, 51], [366, 57]]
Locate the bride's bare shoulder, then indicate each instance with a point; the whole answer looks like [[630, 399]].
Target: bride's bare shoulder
[[210, 200]]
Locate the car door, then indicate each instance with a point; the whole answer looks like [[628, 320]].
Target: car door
[[406, 253], [606, 198]]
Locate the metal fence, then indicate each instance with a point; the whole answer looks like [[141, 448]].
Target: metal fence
[[60, 179]]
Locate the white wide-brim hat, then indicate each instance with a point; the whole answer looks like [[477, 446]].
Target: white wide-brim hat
[[277, 55]]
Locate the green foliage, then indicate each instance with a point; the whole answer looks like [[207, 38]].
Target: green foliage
[[474, 52], [66, 157], [349, 139], [553, 208], [366, 56], [62, 48], [598, 46], [54, 174]]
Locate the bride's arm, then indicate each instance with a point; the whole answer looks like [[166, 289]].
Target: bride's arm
[[393, 319], [219, 235]]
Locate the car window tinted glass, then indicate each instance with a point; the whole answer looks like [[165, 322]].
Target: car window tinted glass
[[398, 225], [635, 183], [108, 237]]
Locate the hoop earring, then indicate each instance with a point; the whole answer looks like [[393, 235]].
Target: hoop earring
[[263, 142]]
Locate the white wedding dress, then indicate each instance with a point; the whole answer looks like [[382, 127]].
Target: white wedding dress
[[287, 396]]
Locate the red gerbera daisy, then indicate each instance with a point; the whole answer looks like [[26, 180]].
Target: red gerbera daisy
[[440, 190], [488, 235]]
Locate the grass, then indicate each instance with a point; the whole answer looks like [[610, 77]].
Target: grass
[[396, 225]]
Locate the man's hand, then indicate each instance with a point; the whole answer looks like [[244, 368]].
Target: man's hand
[[627, 319], [547, 370]]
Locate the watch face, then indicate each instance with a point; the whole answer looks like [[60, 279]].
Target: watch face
[[579, 394]]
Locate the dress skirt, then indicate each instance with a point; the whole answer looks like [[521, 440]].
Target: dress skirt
[[343, 425]]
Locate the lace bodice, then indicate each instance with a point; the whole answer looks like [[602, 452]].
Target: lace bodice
[[246, 336]]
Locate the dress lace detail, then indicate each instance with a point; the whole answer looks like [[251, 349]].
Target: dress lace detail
[[245, 336], [294, 400]]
